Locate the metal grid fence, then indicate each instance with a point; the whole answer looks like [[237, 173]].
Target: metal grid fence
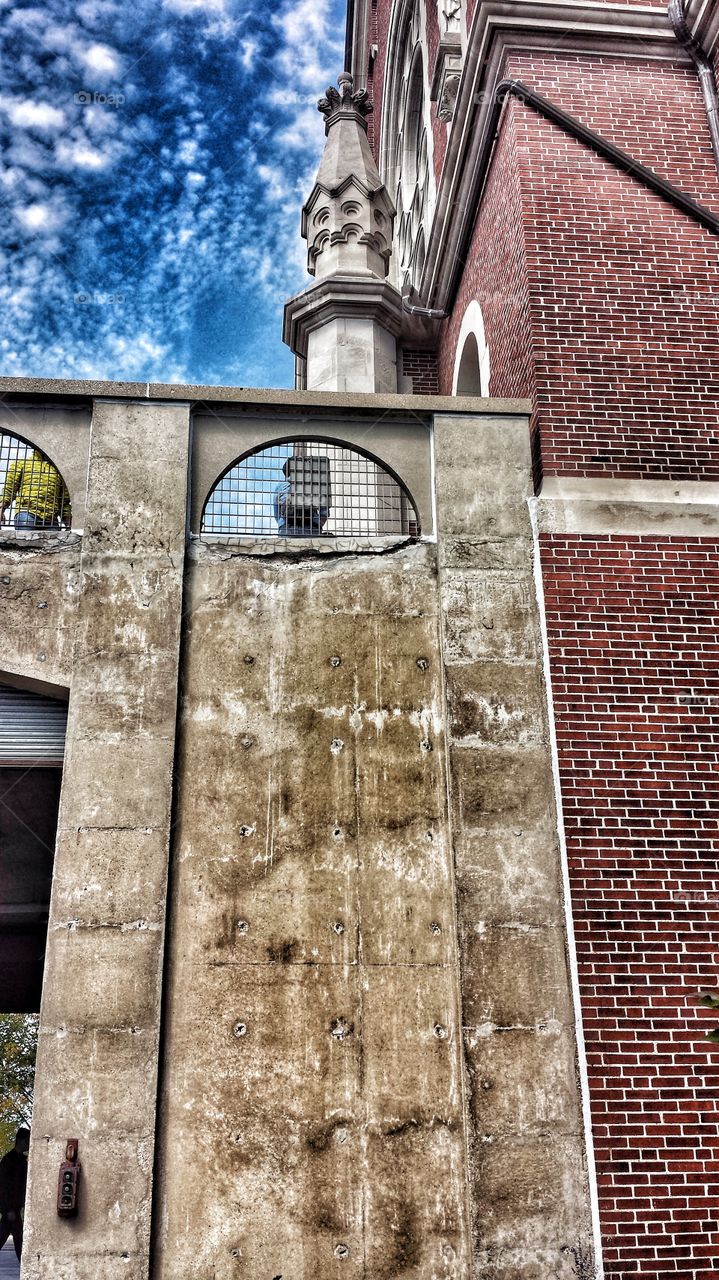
[[309, 488], [33, 494]]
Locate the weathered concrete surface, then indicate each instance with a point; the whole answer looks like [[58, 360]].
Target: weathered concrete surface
[[313, 1104], [39, 585], [97, 1061], [525, 1126]]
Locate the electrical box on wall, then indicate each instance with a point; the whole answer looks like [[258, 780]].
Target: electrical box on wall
[[68, 1181]]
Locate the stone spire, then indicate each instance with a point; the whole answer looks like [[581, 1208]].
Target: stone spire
[[343, 328], [348, 218]]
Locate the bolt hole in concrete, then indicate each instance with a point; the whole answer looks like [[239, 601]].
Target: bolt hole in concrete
[[335, 661], [341, 1251], [247, 742], [340, 1029], [435, 928], [440, 1031], [249, 659], [240, 1029], [242, 926], [422, 663], [337, 832], [336, 746], [425, 745], [338, 926]]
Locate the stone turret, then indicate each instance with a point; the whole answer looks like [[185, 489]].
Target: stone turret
[[343, 329], [348, 218]]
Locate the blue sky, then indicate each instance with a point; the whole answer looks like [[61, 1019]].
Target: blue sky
[[155, 157]]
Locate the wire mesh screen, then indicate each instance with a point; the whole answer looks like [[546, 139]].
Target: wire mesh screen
[[33, 494], [309, 489]]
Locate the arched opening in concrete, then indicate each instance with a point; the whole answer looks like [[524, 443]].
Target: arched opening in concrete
[[32, 742], [33, 494], [309, 487], [471, 366]]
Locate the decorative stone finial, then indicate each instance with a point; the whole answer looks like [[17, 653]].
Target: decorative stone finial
[[342, 101]]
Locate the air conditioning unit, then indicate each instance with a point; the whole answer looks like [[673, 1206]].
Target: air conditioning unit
[[309, 478]]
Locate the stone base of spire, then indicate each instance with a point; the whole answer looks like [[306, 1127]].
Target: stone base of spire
[[346, 327], [351, 354]]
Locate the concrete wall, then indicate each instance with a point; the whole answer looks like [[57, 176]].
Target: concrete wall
[[366, 1064]]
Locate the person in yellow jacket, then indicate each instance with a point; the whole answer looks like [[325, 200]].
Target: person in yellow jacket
[[38, 491]]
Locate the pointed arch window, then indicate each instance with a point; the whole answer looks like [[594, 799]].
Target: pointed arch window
[[309, 487], [405, 151], [33, 494]]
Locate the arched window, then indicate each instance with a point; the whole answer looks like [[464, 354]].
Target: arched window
[[309, 487], [33, 494], [471, 366], [405, 161]]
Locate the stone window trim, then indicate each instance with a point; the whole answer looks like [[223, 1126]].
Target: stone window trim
[[471, 361]]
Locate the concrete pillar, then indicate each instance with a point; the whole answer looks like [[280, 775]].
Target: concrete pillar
[[100, 1018], [527, 1163]]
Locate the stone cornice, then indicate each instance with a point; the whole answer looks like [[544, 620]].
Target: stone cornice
[[361, 297]]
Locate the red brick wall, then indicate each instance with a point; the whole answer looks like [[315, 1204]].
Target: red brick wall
[[623, 304], [624, 300], [634, 652], [421, 367], [653, 110], [496, 274]]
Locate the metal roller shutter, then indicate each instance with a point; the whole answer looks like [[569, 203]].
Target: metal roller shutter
[[32, 728]]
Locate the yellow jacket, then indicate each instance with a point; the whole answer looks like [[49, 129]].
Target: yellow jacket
[[36, 486]]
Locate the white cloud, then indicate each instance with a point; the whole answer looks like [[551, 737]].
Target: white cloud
[[82, 156], [101, 59], [248, 50], [36, 217], [275, 187], [304, 131], [187, 151], [197, 6], [27, 114], [195, 179]]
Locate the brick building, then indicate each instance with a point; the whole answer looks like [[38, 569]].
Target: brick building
[[554, 172]]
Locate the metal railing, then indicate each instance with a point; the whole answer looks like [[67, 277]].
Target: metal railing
[[33, 494], [309, 488]]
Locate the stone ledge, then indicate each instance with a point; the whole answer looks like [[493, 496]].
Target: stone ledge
[[262, 397]]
